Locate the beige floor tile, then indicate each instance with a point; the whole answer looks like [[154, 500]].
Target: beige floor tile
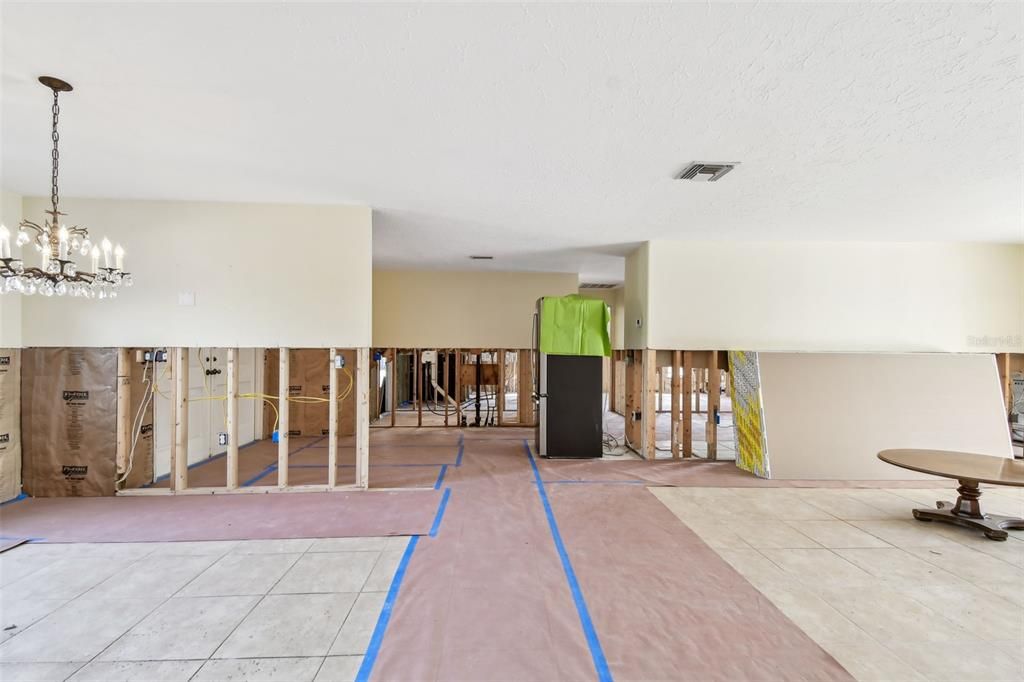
[[895, 506], [1010, 591], [816, 617], [77, 631], [15, 566], [837, 534], [1010, 551], [971, 564], [348, 545], [887, 614], [840, 505], [905, 533], [958, 659], [64, 578], [819, 567], [977, 611], [923, 497], [1013, 647], [124, 551], [716, 534], [869, 661], [239, 574], [204, 548], [135, 671], [181, 628], [286, 546], [328, 572], [339, 669], [397, 542], [302, 669], [17, 615], [154, 576], [358, 628], [37, 672], [289, 625], [899, 566], [778, 503], [383, 571], [771, 534]]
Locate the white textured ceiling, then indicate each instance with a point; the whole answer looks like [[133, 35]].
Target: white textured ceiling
[[547, 136]]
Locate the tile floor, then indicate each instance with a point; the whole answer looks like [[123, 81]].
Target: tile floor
[[889, 597], [252, 610]]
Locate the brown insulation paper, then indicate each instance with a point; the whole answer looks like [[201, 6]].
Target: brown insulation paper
[[309, 376], [141, 471], [10, 423], [69, 421]]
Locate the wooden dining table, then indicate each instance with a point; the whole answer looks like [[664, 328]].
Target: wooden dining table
[[970, 470]]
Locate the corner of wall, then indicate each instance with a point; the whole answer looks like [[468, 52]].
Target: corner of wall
[[636, 298]]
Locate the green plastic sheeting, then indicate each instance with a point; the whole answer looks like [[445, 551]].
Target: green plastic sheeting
[[574, 325]]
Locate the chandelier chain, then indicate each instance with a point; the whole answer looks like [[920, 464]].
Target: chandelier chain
[[56, 154]]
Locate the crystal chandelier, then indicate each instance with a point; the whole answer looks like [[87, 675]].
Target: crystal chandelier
[[57, 245]]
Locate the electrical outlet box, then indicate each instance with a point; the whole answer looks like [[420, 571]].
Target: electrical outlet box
[[339, 361], [143, 356], [222, 438]]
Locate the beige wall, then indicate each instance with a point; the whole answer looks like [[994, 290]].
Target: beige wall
[[444, 309], [616, 301], [826, 296], [262, 275], [635, 297], [827, 415], [10, 305]]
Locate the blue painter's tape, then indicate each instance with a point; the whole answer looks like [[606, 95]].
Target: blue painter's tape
[[440, 512], [596, 652], [440, 477], [273, 467], [385, 613], [159, 479], [462, 447], [14, 499]]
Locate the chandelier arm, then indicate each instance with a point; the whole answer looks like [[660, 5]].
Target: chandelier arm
[[29, 223]]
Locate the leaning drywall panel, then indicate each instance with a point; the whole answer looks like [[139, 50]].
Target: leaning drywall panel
[[827, 415], [69, 421], [10, 423]]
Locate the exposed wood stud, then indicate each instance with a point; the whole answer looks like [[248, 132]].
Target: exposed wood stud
[[179, 453], [362, 418], [393, 382], [677, 383], [458, 387], [124, 400], [444, 382], [417, 359], [527, 413], [501, 387], [283, 381], [332, 421], [714, 400], [231, 458], [649, 413], [687, 399]]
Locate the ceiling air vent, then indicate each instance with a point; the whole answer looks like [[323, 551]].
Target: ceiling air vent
[[706, 172], [481, 258], [597, 285]]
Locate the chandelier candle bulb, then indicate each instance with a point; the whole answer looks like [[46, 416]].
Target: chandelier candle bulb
[[106, 252], [95, 258], [5, 242], [119, 257], [62, 244]]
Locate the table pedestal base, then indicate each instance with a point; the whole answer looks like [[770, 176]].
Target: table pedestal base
[[967, 512]]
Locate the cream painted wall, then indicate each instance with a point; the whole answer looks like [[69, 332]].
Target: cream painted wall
[[226, 254], [636, 301], [829, 296], [827, 415], [616, 301], [466, 309], [10, 305]]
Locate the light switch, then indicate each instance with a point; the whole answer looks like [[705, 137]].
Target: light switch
[[187, 298]]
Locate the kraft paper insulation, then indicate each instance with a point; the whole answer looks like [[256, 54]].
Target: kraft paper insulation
[[309, 376], [69, 421], [10, 423]]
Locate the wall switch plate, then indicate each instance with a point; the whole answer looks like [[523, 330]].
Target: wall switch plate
[[222, 439], [187, 298]]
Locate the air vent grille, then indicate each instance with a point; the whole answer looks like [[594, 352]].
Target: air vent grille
[[706, 172], [597, 285], [481, 257]]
